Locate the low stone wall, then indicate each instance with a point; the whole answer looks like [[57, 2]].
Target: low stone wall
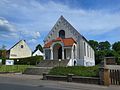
[[56, 78], [89, 80], [72, 78], [37, 70]]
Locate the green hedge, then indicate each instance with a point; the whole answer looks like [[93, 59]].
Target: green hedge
[[25, 61], [29, 60], [77, 70]]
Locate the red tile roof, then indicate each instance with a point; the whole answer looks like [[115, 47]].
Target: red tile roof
[[66, 42]]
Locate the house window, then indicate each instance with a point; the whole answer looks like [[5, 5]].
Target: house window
[[62, 34], [21, 46]]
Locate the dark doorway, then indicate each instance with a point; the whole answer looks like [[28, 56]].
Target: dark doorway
[[60, 53], [75, 63]]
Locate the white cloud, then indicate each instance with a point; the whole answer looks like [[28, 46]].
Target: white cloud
[[7, 30], [34, 18], [37, 34], [86, 21], [6, 26], [32, 41]]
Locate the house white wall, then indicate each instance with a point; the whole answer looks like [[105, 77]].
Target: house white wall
[[20, 50], [38, 53]]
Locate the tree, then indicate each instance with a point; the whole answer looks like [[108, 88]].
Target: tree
[[3, 47], [3, 51], [116, 46], [39, 47], [104, 45], [99, 56], [94, 44]]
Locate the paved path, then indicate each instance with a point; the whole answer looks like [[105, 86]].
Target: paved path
[[35, 82]]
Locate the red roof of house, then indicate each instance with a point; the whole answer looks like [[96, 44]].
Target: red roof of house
[[66, 42]]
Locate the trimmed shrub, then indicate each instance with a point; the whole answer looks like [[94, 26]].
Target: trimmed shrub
[[76, 70], [28, 61]]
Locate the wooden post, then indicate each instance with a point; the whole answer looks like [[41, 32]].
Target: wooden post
[[101, 72], [104, 74], [106, 77]]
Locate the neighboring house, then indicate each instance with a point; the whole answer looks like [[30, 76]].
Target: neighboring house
[[20, 50], [66, 43], [38, 53]]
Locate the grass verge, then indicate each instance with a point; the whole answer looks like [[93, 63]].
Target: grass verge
[[77, 70], [13, 68]]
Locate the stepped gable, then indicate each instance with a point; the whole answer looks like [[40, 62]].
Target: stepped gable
[[60, 21]]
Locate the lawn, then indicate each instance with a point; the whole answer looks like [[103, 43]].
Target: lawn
[[13, 68], [77, 70]]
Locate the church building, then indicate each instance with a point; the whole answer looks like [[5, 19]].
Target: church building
[[64, 42]]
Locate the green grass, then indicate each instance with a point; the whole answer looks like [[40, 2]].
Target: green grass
[[13, 68], [77, 70]]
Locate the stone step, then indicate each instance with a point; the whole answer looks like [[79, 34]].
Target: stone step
[[53, 63]]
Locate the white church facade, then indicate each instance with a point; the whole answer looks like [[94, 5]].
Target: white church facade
[[64, 42]]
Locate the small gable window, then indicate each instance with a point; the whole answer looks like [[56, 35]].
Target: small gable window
[[62, 34], [22, 46]]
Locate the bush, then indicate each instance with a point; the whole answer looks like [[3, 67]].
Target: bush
[[3, 60], [118, 61], [29, 60], [77, 70]]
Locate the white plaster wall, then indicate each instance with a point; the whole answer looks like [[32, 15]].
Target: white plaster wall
[[18, 52], [86, 60], [80, 62], [71, 62], [68, 53], [89, 59]]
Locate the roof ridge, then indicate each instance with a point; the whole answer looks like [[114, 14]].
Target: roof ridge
[[17, 43]]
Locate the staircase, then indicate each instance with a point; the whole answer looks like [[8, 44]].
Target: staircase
[[45, 66]]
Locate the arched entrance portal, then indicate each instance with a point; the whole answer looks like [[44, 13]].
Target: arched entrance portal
[[57, 51]]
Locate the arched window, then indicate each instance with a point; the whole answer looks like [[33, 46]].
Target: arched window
[[62, 34], [84, 49]]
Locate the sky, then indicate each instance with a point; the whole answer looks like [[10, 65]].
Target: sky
[[32, 20]]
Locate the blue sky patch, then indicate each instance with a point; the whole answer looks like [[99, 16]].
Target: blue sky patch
[[32, 20]]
